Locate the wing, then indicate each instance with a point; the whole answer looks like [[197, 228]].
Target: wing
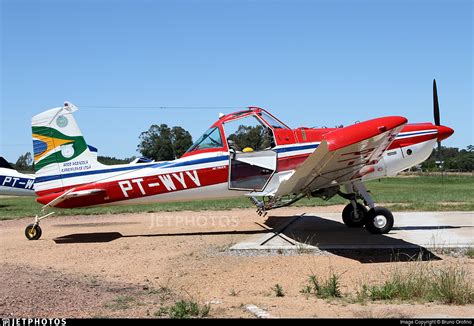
[[343, 155]]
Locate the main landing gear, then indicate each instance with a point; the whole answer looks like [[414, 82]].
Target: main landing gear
[[377, 220]]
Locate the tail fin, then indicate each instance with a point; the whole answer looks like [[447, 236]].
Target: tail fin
[[4, 164], [59, 148]]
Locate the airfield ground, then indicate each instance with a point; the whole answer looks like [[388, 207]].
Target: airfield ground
[[137, 265]]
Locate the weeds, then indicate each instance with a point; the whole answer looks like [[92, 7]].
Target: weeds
[[163, 292], [121, 303], [452, 286], [470, 253], [278, 290], [324, 289], [304, 246], [184, 309], [422, 282]]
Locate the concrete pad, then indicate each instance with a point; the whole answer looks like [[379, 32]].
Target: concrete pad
[[430, 230]]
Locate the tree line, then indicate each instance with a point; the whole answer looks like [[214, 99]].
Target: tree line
[[450, 159]]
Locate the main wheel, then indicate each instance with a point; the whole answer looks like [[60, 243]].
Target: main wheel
[[349, 217], [33, 232], [379, 220]]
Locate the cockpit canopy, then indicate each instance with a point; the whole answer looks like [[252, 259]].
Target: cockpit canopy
[[249, 130]]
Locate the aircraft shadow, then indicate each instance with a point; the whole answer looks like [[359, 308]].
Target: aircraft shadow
[[327, 235], [89, 237], [354, 243], [99, 237]]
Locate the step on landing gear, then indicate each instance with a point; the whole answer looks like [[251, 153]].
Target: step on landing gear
[[377, 219]]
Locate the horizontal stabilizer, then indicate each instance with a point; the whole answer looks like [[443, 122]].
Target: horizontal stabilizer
[[52, 200]]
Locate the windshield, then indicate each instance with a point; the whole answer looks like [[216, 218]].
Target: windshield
[[210, 139]]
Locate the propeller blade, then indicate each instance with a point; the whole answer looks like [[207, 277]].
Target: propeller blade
[[435, 104]]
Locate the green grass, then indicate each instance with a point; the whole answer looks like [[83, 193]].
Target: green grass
[[420, 193], [19, 207]]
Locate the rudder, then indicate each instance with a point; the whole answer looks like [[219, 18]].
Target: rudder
[[59, 148]]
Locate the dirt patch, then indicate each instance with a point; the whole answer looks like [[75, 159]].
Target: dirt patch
[[26, 291]]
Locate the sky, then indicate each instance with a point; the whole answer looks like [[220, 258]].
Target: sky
[[310, 63]]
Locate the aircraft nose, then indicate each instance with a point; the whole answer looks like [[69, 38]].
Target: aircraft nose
[[444, 132]]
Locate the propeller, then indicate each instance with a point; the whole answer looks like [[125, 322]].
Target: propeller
[[436, 110], [443, 131]]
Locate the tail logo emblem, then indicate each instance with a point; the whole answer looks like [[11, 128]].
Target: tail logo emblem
[[61, 121], [67, 150]]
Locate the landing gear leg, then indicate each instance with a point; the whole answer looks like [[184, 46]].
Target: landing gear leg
[[377, 220], [33, 231]]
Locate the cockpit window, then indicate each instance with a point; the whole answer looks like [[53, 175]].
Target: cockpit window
[[210, 139], [248, 134], [272, 121]]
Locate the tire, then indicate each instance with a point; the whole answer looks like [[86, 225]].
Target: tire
[[33, 232], [379, 220], [348, 215]]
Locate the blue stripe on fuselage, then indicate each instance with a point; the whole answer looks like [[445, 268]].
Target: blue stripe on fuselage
[[161, 165], [295, 148], [82, 173], [131, 168], [416, 133]]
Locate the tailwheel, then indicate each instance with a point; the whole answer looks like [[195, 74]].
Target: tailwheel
[[379, 220], [353, 220], [33, 232]]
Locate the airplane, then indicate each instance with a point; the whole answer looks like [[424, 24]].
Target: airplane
[[283, 166], [14, 183]]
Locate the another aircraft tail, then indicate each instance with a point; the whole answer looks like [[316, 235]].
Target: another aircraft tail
[[60, 150], [4, 164]]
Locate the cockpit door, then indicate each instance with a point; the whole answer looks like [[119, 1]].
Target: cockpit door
[[251, 170]]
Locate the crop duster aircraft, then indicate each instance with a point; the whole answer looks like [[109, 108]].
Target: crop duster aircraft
[[286, 165]]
